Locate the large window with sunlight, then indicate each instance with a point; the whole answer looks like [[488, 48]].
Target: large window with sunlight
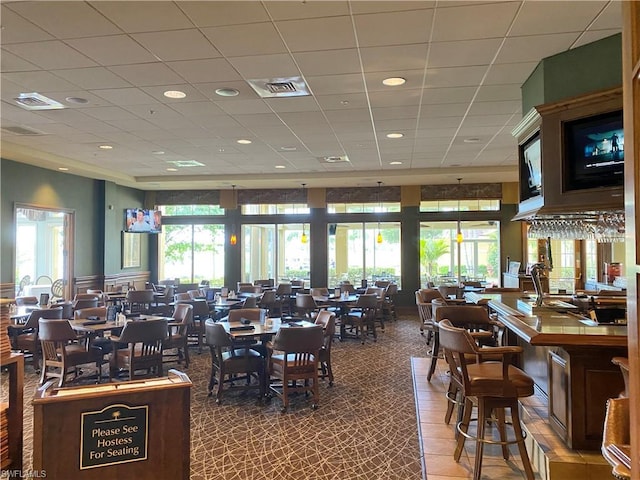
[[361, 250], [278, 251], [192, 253], [443, 260]]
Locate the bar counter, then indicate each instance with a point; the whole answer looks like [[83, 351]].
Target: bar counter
[[569, 359]]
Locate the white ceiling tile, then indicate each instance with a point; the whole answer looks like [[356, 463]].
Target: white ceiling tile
[[16, 29], [50, 55], [147, 74], [468, 22], [393, 28], [177, 45], [13, 63], [395, 58], [207, 14], [336, 84], [285, 10], [144, 16], [204, 71], [499, 92], [112, 50], [534, 48], [124, 96], [36, 81], [108, 113], [328, 62], [494, 108], [311, 34], [198, 109], [66, 19], [342, 101], [447, 95], [92, 78], [293, 104], [463, 52], [244, 107], [455, 76], [539, 18], [392, 98], [240, 40], [265, 66], [375, 6], [610, 18]]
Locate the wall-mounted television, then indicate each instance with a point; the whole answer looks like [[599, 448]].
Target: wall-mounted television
[[140, 220], [594, 151], [530, 168]]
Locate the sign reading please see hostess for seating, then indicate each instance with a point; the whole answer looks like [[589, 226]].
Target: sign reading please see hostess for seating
[[116, 434]]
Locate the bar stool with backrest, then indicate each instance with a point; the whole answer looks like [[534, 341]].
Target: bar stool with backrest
[[485, 330], [490, 386], [24, 337], [424, 297], [143, 340], [232, 363], [328, 322], [61, 352], [293, 356]]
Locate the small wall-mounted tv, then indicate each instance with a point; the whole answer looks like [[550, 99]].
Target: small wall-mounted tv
[[594, 151], [140, 220], [530, 168]]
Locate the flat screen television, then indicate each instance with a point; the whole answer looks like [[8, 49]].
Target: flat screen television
[[594, 151], [530, 168], [140, 220]]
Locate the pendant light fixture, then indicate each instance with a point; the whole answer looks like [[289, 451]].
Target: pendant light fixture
[[459, 234], [379, 236], [233, 238], [304, 238]]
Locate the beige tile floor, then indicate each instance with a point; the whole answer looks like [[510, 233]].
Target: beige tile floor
[[551, 459]]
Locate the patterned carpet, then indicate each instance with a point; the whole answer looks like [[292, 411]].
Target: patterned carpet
[[365, 427]]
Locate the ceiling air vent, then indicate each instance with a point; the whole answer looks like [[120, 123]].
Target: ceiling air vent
[[17, 130], [35, 101], [280, 87], [334, 159], [185, 163]]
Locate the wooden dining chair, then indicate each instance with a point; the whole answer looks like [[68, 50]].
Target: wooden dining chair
[[61, 352], [143, 340], [24, 337], [232, 364], [293, 363], [327, 320], [178, 338]]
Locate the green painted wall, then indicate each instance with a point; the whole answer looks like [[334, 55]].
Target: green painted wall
[[589, 68], [97, 233]]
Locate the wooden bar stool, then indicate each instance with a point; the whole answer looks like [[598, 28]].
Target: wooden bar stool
[[490, 386]]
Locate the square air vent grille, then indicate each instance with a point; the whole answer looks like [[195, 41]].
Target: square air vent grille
[[35, 101], [334, 159], [280, 87], [185, 163]]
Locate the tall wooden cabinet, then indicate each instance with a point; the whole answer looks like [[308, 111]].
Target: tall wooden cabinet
[[631, 94]]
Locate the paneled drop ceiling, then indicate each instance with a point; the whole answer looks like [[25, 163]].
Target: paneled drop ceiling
[[109, 64]]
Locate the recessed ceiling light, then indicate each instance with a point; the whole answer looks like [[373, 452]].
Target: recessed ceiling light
[[227, 92], [280, 166], [395, 163], [471, 140], [63, 169], [288, 149], [395, 135], [158, 152], [344, 102], [394, 81], [174, 94], [243, 141], [105, 147], [78, 100], [171, 169]]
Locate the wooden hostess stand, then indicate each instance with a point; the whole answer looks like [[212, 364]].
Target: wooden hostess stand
[[137, 429]]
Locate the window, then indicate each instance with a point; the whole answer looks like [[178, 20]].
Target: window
[[363, 207], [190, 210], [475, 205], [192, 253], [355, 254], [478, 257], [591, 260], [271, 209], [275, 251]]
